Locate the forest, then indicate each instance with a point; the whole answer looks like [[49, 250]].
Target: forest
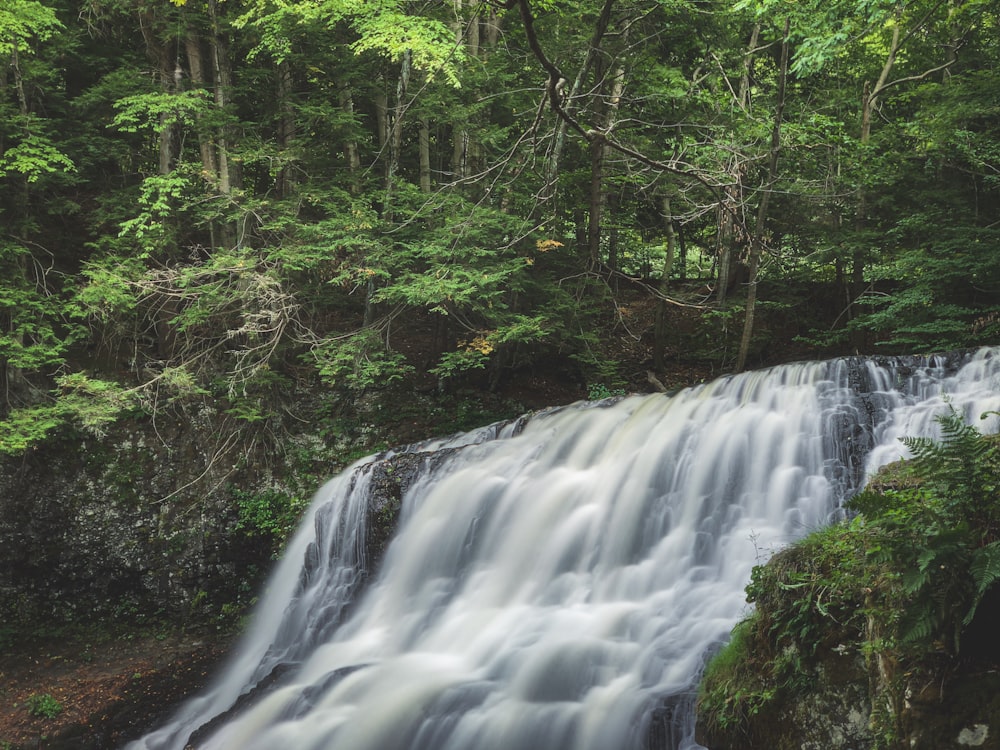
[[219, 198], [224, 224]]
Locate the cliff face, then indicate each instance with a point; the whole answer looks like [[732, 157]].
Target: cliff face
[[160, 523], [152, 519]]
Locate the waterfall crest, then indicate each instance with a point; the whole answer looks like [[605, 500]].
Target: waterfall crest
[[558, 583]]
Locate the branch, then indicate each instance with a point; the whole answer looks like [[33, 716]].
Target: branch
[[919, 77], [555, 88], [557, 81]]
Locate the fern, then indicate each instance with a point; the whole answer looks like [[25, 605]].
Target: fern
[[985, 570], [956, 469], [940, 530]]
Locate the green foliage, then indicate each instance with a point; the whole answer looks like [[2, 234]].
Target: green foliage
[[30, 339], [358, 361], [942, 532], [22, 21], [90, 404], [728, 697], [34, 157], [43, 705], [599, 391], [159, 110], [338, 240], [272, 514], [382, 27], [810, 597]]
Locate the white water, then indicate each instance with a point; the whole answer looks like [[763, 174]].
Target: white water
[[560, 588]]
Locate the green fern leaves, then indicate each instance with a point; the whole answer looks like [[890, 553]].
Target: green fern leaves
[[939, 530]]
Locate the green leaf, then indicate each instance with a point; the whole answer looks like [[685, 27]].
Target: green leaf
[[34, 157]]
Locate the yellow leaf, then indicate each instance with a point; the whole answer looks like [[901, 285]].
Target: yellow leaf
[[479, 344], [543, 246]]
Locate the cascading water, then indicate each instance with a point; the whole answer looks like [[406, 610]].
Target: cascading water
[[558, 584]]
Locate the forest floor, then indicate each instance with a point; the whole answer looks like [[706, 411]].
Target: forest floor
[[100, 692]]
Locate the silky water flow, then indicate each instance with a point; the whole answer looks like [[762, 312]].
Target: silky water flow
[[558, 582]]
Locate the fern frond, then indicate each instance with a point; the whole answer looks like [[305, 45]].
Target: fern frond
[[918, 627], [985, 567]]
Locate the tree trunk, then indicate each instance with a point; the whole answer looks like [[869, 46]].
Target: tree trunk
[[757, 242], [223, 85], [595, 204], [396, 130], [192, 47], [168, 75], [424, 139], [599, 155], [492, 28], [660, 322], [287, 129], [559, 139], [729, 228], [459, 152], [381, 102], [859, 257], [683, 253], [351, 154]]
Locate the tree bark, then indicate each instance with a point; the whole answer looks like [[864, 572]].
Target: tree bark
[[168, 76], [287, 128], [729, 227], [351, 153], [757, 242], [223, 85], [559, 139], [600, 150], [424, 142], [192, 48], [396, 130], [660, 321], [381, 102]]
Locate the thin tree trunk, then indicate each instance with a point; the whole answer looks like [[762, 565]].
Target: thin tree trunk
[[351, 153], [396, 130], [660, 321], [459, 152], [683, 252], [869, 103], [596, 202], [599, 155], [381, 102], [424, 143], [559, 140], [728, 226], [192, 47], [756, 244], [168, 76], [223, 85], [492, 29], [287, 129]]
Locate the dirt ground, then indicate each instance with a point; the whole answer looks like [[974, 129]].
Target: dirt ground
[[108, 691]]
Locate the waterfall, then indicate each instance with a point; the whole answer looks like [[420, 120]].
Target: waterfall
[[558, 583]]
